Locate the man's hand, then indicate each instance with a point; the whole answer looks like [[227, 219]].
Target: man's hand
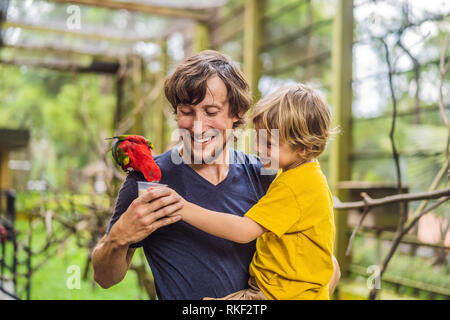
[[154, 209]]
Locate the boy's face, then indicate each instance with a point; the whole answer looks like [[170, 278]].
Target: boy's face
[[273, 153], [207, 123]]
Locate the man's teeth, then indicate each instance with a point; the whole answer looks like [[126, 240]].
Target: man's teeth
[[203, 140]]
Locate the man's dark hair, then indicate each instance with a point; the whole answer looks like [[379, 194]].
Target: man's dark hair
[[187, 85]]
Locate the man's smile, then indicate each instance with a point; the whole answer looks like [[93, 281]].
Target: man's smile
[[203, 141]]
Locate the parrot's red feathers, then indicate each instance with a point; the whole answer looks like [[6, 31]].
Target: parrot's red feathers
[[136, 139], [141, 158]]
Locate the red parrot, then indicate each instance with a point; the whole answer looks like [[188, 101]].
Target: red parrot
[[134, 152]]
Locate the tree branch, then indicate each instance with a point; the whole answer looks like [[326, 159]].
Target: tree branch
[[391, 199]]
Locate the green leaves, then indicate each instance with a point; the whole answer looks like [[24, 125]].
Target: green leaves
[[64, 114]]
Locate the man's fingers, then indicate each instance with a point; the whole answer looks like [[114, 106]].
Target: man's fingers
[[154, 193]]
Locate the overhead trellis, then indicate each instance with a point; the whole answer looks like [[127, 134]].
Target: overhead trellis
[[105, 29], [123, 38]]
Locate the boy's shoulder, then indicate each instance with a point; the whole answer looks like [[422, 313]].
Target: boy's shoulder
[[307, 177], [252, 164]]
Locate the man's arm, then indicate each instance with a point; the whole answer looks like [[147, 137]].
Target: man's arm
[[110, 261], [223, 225], [112, 256]]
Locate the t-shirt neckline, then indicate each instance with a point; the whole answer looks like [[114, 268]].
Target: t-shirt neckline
[[229, 176]]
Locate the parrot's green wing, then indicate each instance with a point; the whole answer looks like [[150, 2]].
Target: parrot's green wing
[[118, 155]]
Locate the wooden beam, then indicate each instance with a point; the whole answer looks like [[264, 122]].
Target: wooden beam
[[14, 138], [408, 238], [62, 30], [65, 51], [94, 67], [253, 35], [394, 279], [340, 161], [179, 11]]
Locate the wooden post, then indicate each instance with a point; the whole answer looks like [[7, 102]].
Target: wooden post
[[202, 37], [5, 175], [5, 178], [119, 113], [340, 155], [164, 133], [253, 35], [252, 66], [137, 77], [160, 134]]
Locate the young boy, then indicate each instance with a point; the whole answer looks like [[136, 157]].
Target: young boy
[[293, 223]]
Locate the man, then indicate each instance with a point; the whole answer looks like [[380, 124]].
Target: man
[[209, 96]]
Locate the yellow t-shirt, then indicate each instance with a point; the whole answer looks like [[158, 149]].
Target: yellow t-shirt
[[293, 259]]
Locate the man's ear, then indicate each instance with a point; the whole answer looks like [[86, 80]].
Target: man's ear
[[238, 116]]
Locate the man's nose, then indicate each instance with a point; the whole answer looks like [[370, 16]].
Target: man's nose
[[199, 127], [199, 123]]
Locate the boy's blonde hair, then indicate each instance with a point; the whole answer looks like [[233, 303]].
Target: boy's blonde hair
[[300, 113]]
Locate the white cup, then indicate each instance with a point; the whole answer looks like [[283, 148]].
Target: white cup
[[144, 185]]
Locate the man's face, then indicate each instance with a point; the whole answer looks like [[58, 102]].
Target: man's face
[[207, 123]]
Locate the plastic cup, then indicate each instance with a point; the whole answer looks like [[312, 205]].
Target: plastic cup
[[144, 185]]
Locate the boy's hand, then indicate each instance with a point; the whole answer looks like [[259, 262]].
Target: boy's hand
[[179, 199], [156, 208]]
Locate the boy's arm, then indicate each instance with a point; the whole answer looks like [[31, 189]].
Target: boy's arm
[[335, 277], [223, 225]]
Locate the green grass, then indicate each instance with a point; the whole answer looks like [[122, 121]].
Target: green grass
[[50, 281]]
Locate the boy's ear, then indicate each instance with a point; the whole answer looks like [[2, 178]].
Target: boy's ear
[[303, 152]]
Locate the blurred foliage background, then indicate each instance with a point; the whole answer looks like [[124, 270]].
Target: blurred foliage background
[[67, 112]]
